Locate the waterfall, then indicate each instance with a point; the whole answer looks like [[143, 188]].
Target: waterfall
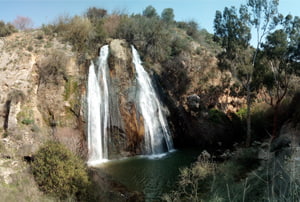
[[98, 109], [157, 134]]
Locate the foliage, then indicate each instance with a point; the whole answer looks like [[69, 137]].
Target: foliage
[[95, 14], [6, 29], [25, 116], [167, 15], [175, 78], [179, 45], [237, 179], [30, 48], [233, 32], [193, 182], [149, 35], [59, 173], [52, 67], [77, 30], [23, 23], [78, 33], [111, 24], [242, 113], [217, 116], [150, 12], [278, 63]]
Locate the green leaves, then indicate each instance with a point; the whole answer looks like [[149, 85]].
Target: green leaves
[[58, 172]]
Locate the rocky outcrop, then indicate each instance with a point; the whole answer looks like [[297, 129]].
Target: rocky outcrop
[[126, 123], [40, 92]]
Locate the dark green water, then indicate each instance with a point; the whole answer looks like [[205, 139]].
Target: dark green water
[[150, 175]]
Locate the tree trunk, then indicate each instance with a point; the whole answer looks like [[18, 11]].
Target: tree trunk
[[275, 121], [248, 138]]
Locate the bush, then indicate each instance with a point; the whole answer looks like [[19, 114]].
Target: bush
[[6, 29], [95, 14], [30, 48], [52, 67], [78, 31], [179, 44], [193, 182], [59, 173], [149, 35], [217, 116], [111, 24], [175, 77]]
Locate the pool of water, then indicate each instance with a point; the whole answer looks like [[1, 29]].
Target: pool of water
[[152, 175]]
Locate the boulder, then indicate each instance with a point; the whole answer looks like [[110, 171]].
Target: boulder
[[193, 102]]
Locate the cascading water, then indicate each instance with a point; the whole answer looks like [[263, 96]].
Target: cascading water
[[98, 109], [157, 134]]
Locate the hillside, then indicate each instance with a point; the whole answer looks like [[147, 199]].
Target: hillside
[[199, 78]]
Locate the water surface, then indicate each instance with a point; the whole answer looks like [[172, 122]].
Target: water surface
[[152, 175]]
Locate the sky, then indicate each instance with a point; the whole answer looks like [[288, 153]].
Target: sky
[[202, 11]]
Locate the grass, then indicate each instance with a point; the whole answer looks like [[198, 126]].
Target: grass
[[25, 116]]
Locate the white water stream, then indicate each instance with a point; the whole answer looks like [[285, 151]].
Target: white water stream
[[157, 134], [98, 112]]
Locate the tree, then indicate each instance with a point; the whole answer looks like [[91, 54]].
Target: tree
[[233, 31], [167, 15], [279, 51], [23, 23], [192, 29], [150, 12], [94, 14]]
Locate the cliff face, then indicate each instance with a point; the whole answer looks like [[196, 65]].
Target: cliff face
[[40, 97], [43, 96], [126, 123]]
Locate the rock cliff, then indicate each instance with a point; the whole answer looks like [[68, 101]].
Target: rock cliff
[[41, 93]]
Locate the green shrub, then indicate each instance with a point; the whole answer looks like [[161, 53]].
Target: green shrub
[[198, 51], [30, 48], [217, 116], [5, 135], [242, 113], [179, 44], [25, 116], [6, 29], [77, 30], [27, 121], [150, 36], [59, 173]]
